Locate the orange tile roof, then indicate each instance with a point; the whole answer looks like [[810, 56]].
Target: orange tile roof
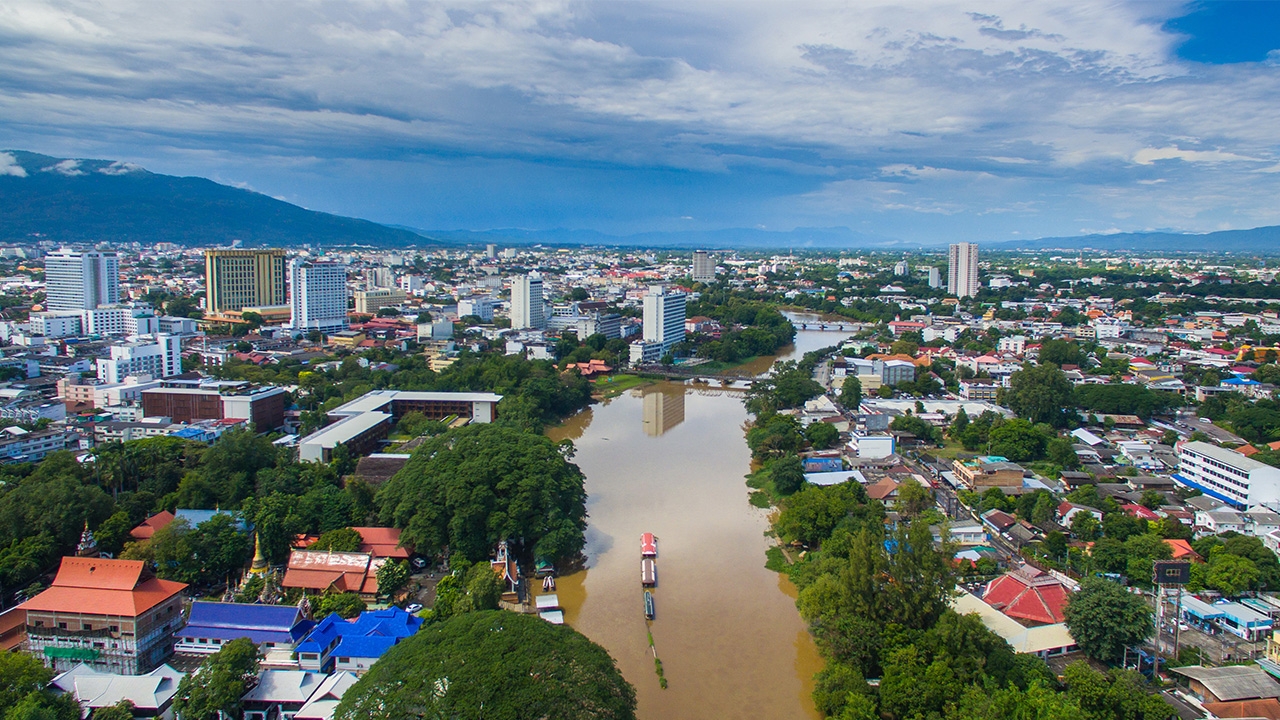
[[148, 527], [1265, 708], [382, 542], [1182, 550], [98, 586]]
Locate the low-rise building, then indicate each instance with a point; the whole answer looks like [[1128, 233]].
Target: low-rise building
[[193, 401], [988, 471], [1227, 475], [151, 694], [363, 423], [210, 625], [355, 645], [325, 571]]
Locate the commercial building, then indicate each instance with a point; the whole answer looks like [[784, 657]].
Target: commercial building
[[988, 471], [704, 267], [528, 304], [371, 301], [235, 279], [187, 402], [481, 307], [362, 424], [664, 316], [962, 269], [1227, 475], [161, 358], [18, 445], [318, 296], [81, 280], [112, 615], [935, 277]]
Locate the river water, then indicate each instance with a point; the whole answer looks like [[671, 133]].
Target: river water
[[671, 459]]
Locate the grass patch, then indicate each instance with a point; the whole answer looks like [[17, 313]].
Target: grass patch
[[776, 560], [614, 385], [760, 499]]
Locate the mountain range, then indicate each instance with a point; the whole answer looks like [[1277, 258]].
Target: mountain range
[[76, 200]]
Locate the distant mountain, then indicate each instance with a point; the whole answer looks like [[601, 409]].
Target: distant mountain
[[69, 200], [830, 238], [1259, 240]]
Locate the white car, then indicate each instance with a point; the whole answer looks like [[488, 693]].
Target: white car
[[413, 609]]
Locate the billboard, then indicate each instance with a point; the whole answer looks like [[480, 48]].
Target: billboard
[[1171, 572]]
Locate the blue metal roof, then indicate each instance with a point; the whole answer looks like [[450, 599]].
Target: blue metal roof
[[386, 626]]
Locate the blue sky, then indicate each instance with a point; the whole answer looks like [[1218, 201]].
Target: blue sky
[[926, 121]]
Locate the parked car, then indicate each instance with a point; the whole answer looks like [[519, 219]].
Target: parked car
[[413, 609]]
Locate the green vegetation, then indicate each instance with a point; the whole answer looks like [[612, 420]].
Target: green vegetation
[[1104, 619], [474, 486], [467, 588], [614, 385], [340, 540], [346, 604], [215, 688], [23, 691], [492, 664], [1041, 394], [750, 327]]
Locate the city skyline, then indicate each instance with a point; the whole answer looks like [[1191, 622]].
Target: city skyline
[[952, 124]]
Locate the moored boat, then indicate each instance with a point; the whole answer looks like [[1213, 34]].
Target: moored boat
[[648, 545], [648, 605], [648, 572]]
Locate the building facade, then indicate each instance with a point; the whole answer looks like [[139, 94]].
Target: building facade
[[318, 296], [664, 316], [236, 279], [262, 406], [371, 301], [81, 280], [528, 305], [962, 269], [704, 267], [161, 358], [1227, 475]]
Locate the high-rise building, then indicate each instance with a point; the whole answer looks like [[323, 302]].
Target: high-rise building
[[962, 270], [704, 267], [664, 318], [236, 279], [160, 358], [371, 301], [318, 296], [935, 277], [81, 280], [379, 277], [528, 305], [902, 268]]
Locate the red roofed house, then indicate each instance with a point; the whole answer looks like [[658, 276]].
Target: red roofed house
[[1182, 550], [382, 542], [1028, 595], [322, 571], [112, 615], [148, 527], [1248, 450], [1139, 512]]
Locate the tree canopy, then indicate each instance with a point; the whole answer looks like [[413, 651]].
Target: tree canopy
[[1105, 619], [1041, 394], [474, 486], [215, 688], [492, 664]]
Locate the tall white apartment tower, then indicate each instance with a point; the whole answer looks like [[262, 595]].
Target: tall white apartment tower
[[81, 280], [664, 318], [962, 270], [528, 306], [318, 296], [704, 267]]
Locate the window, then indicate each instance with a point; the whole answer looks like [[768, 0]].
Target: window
[[344, 660], [62, 626]]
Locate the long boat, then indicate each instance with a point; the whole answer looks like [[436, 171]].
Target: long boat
[[648, 572], [648, 605], [648, 545]]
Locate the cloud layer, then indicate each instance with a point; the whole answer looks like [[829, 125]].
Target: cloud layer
[[928, 122]]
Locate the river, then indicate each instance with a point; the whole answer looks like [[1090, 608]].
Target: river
[[671, 459]]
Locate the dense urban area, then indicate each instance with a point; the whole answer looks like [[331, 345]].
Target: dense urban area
[[270, 483]]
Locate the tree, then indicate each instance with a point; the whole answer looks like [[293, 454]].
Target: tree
[[340, 540], [1017, 440], [22, 677], [1104, 619], [809, 516], [822, 435], [914, 425], [913, 498], [1061, 352], [1060, 452], [1041, 394], [474, 486], [958, 425], [787, 474], [215, 688], [851, 393], [347, 605], [1085, 526], [1231, 574], [392, 576], [492, 664], [122, 710]]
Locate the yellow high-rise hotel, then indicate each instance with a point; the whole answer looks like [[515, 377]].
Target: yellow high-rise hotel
[[236, 279]]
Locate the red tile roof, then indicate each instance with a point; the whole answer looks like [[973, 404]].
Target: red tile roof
[[103, 587], [382, 542], [1028, 594], [1182, 550], [149, 526], [1265, 708]]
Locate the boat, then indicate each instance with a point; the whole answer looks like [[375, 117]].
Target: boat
[[648, 572], [648, 545], [648, 605]]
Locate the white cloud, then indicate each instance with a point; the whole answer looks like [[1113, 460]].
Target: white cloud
[[119, 167], [9, 166], [70, 168], [1147, 156]]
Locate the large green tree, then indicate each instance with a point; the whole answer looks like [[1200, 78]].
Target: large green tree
[[492, 664], [474, 486], [215, 688], [1041, 394], [1104, 619]]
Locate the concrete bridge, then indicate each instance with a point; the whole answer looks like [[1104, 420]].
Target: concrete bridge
[[829, 326]]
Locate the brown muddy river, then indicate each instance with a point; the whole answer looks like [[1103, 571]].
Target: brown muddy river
[[670, 460]]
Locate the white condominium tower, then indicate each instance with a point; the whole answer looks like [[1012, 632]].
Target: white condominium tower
[[528, 305], [318, 296], [664, 318], [704, 267], [962, 270], [81, 280]]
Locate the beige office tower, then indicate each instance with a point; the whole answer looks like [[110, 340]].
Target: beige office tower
[[236, 279], [962, 270]]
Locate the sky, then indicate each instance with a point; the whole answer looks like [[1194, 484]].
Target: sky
[[929, 122]]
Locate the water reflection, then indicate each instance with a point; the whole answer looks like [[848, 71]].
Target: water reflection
[[663, 409]]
